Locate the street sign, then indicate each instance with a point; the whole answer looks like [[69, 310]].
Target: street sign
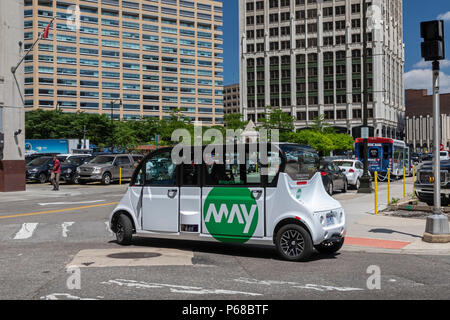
[[365, 132]]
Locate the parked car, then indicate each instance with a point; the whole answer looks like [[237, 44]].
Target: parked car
[[333, 178], [39, 169], [444, 155], [106, 169], [353, 169], [424, 184], [69, 167]]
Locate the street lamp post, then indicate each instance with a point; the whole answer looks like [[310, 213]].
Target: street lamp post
[[366, 184]]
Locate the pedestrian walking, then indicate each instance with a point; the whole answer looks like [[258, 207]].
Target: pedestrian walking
[[56, 172]]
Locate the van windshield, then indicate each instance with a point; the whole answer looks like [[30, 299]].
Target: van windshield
[[302, 163]]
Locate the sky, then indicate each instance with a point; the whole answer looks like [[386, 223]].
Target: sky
[[417, 73]]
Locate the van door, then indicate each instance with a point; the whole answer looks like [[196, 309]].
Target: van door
[[190, 198], [233, 198], [160, 198]]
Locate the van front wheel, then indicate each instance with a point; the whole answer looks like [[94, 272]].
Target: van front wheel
[[124, 232], [293, 243]]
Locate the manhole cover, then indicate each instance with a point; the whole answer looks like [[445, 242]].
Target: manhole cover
[[134, 255]]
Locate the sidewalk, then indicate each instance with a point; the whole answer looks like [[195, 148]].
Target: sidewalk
[[380, 233]]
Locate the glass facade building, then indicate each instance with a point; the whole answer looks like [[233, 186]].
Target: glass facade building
[[157, 56]]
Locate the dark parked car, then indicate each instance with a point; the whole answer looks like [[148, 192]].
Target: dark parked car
[[424, 184], [69, 167], [40, 168], [333, 177]]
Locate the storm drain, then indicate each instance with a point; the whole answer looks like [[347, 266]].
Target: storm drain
[[134, 255]]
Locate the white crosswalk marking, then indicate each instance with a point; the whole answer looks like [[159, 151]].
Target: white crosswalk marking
[[26, 231], [63, 231], [65, 228]]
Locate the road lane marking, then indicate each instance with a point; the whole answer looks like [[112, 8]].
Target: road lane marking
[[57, 211], [63, 296], [26, 231], [64, 203], [65, 228], [175, 288], [108, 228]]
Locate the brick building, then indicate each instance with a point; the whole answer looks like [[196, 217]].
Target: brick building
[[419, 120]]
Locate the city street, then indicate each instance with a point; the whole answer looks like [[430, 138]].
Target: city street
[[43, 233]]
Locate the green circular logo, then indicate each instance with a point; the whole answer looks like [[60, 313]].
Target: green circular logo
[[231, 214]]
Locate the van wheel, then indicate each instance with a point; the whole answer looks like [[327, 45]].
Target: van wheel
[[330, 247], [106, 179], [124, 232], [293, 243]]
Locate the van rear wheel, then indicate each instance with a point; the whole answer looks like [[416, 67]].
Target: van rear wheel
[[124, 232], [293, 243]]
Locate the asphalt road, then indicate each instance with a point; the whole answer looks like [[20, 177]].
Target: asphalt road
[[43, 234]]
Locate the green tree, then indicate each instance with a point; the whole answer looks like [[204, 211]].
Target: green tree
[[234, 121]]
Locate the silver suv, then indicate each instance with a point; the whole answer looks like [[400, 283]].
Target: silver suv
[[107, 168]]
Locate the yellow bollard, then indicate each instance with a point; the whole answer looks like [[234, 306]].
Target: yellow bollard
[[404, 182], [389, 186], [120, 176], [414, 179], [376, 192]]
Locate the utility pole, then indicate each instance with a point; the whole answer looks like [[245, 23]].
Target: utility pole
[[433, 49], [366, 184], [84, 137]]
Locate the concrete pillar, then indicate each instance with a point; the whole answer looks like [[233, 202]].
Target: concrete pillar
[[12, 165]]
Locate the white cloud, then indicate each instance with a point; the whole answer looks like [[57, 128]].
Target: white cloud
[[423, 78], [427, 64], [444, 16]]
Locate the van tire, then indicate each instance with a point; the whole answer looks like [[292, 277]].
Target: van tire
[[106, 179], [124, 230], [293, 243], [330, 248]]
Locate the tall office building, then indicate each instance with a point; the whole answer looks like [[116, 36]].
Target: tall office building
[[305, 57], [155, 55], [231, 98]]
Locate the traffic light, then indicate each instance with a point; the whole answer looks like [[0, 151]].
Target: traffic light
[[433, 47]]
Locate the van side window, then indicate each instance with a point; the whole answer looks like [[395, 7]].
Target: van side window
[[190, 175], [160, 170], [230, 170]]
